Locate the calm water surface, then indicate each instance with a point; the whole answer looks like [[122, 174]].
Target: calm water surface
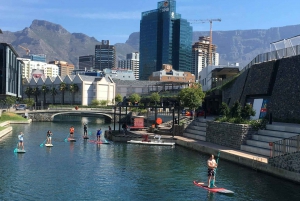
[[119, 171]]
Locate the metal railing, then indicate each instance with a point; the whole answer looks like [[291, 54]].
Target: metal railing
[[284, 146]]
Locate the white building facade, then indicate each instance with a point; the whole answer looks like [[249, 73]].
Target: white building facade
[[47, 69], [132, 62]]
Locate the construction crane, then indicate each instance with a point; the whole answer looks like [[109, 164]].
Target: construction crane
[[210, 35], [26, 49]]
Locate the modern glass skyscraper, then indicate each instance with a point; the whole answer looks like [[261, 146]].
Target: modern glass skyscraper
[[165, 38]]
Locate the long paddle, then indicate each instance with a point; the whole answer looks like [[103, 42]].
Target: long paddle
[[212, 182], [16, 149], [66, 139], [41, 145]]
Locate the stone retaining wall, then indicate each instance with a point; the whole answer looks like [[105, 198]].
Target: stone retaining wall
[[228, 134], [288, 162]]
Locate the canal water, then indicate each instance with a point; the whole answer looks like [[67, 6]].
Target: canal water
[[119, 171]]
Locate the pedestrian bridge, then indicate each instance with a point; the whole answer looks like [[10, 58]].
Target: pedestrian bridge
[[48, 115]]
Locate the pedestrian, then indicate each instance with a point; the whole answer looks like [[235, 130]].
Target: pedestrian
[[72, 132], [21, 143], [99, 132], [85, 130], [49, 137], [124, 127], [211, 165]]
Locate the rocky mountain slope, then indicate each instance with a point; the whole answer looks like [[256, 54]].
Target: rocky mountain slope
[[43, 37]]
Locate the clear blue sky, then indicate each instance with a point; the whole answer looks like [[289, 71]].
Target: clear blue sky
[[117, 19]]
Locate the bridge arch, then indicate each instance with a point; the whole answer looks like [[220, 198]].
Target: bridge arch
[[89, 114]]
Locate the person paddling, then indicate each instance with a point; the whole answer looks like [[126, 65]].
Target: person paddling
[[49, 137], [99, 132], [20, 137], [211, 165], [71, 132], [85, 130]]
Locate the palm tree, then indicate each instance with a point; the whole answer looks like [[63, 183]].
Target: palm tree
[[73, 89], [28, 91], [53, 93], [36, 92], [45, 90], [63, 87]]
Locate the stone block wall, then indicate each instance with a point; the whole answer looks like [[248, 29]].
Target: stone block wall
[[285, 100], [258, 80], [288, 162], [228, 134]]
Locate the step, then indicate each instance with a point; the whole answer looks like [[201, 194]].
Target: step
[[193, 136], [195, 132], [278, 134], [292, 128], [256, 150], [197, 128], [196, 123], [265, 138], [256, 143]]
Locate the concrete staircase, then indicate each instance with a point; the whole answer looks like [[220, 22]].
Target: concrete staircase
[[259, 144], [196, 130]]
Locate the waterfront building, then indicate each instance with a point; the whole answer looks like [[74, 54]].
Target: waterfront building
[[201, 55], [89, 88], [132, 62], [64, 67], [165, 38], [30, 68], [10, 72], [86, 62], [121, 74], [105, 55], [213, 76]]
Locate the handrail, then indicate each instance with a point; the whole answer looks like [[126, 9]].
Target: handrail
[[284, 146]]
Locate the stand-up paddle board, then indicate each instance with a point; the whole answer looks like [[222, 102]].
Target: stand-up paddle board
[[20, 151], [49, 145], [71, 140], [214, 190], [85, 137], [97, 142]]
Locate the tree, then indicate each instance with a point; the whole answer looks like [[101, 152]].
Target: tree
[[28, 91], [118, 98], [10, 100], [36, 92], [191, 97], [45, 90], [135, 98], [155, 97], [53, 92], [224, 109], [29, 101], [63, 87], [95, 102], [73, 89], [103, 102], [236, 110], [247, 111]]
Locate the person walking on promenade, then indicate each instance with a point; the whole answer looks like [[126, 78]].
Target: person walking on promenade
[[49, 137], [21, 138], [211, 165], [85, 130], [72, 132], [99, 132]]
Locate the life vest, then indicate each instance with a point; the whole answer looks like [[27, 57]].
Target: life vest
[[72, 130]]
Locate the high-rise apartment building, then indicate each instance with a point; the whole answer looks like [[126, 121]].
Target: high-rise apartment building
[[48, 70], [201, 55], [105, 55], [86, 62], [64, 67], [132, 62], [165, 38]]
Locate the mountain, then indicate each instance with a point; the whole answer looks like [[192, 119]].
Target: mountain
[[43, 37]]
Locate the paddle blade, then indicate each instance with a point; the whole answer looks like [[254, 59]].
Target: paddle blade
[[15, 150], [66, 140], [41, 145]]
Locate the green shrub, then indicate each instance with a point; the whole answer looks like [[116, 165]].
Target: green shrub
[[259, 124], [95, 102], [236, 110], [247, 111], [224, 109]]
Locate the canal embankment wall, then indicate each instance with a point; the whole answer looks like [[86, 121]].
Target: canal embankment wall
[[8, 128], [239, 157]]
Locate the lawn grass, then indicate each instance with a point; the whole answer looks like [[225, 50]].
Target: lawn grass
[[9, 116], [2, 128]]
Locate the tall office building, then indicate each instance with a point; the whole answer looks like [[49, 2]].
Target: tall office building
[[86, 62], [105, 55], [165, 38], [64, 67], [132, 62], [201, 55]]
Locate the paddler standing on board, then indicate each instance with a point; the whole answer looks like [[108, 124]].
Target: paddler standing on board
[[211, 165], [71, 132]]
